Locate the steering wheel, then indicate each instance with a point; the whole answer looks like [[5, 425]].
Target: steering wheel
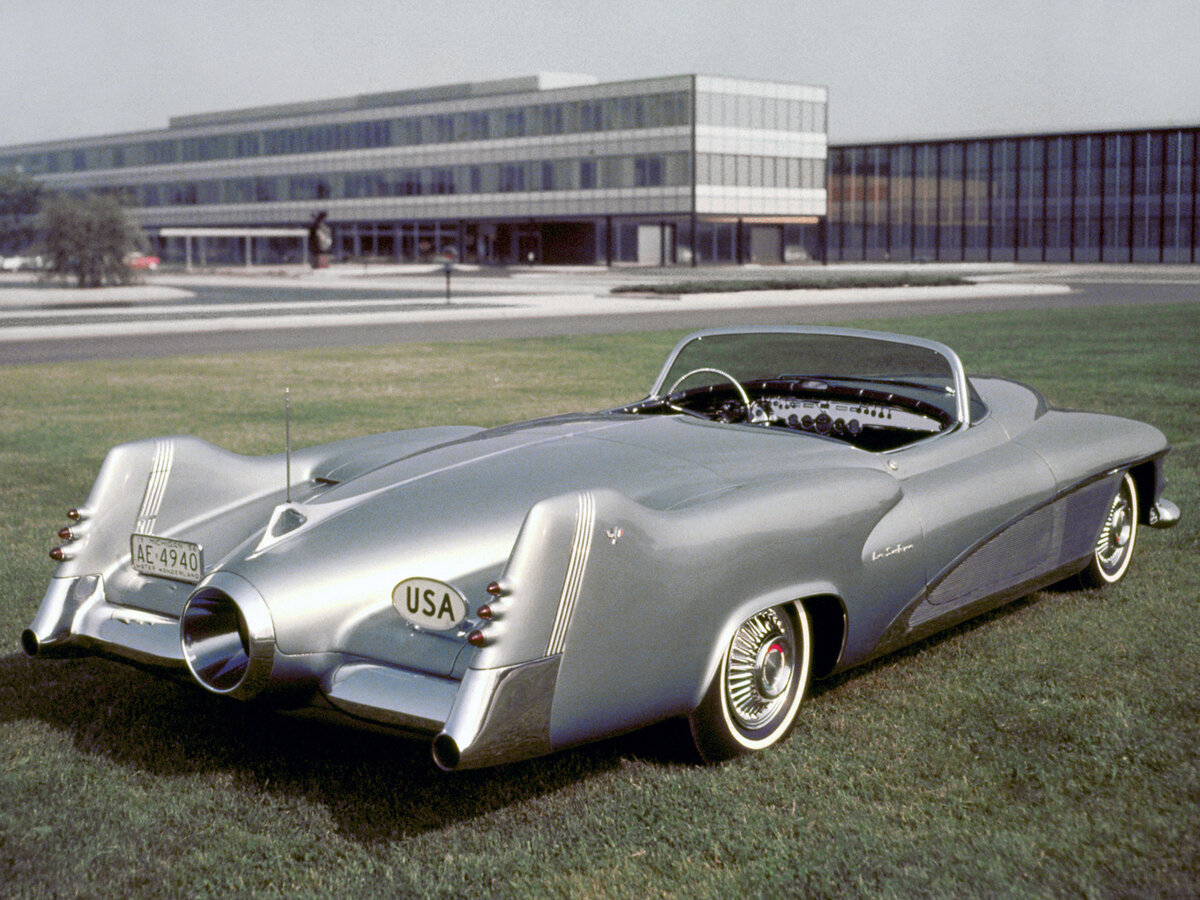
[[742, 395]]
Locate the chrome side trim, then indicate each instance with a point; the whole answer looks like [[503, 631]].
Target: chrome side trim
[[581, 548], [156, 485]]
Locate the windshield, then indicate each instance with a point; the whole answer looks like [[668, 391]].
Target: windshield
[[827, 354]]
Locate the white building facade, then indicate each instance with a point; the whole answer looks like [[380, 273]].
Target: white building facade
[[545, 169]]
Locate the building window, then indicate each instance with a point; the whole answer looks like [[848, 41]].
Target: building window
[[308, 187], [443, 181], [647, 171], [512, 177], [514, 123], [552, 119], [410, 131], [589, 116], [442, 128], [410, 183], [587, 174], [266, 190], [161, 152], [477, 126]]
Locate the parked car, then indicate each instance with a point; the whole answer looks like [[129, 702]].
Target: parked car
[[142, 261], [785, 503], [20, 263]]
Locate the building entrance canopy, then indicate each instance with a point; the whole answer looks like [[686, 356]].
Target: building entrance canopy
[[247, 235]]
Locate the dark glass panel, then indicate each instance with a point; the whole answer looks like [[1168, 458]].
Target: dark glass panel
[[1115, 225], [925, 194], [900, 197], [950, 201], [1004, 200]]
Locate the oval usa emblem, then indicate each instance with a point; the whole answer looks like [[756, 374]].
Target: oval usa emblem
[[427, 603]]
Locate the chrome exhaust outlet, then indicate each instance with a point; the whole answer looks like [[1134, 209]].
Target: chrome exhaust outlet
[[50, 634], [48, 649], [228, 638]]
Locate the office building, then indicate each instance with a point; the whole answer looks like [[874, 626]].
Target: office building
[[1110, 196], [668, 171], [545, 169]]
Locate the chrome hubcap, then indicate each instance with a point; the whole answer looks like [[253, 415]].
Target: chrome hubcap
[[1115, 535], [760, 668]]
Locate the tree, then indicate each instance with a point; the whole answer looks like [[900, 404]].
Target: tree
[[88, 238], [19, 201]]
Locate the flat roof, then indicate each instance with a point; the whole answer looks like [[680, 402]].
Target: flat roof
[[542, 81]]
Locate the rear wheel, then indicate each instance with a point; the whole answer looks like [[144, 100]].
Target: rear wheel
[[753, 699], [1114, 546]]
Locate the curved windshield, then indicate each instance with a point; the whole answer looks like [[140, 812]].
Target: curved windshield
[[821, 354]]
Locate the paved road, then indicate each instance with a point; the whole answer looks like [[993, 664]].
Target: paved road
[[182, 315]]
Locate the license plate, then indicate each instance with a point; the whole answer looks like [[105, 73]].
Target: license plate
[[167, 558]]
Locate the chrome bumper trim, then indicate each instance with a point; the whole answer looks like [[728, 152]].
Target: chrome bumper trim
[[75, 618], [1164, 514], [397, 697], [499, 716]]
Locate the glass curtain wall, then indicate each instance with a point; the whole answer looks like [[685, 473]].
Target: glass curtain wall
[[1108, 196]]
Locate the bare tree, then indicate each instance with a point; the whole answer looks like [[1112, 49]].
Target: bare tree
[[88, 238]]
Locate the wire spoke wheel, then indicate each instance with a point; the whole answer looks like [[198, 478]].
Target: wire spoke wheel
[[1118, 534], [757, 690], [759, 668]]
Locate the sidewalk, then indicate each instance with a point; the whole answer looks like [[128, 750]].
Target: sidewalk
[[541, 291], [23, 291]]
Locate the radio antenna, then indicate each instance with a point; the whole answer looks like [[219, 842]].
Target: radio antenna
[[287, 438]]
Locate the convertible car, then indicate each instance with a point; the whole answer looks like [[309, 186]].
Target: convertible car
[[784, 504]]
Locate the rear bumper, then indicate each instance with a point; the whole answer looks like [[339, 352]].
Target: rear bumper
[[75, 619], [1164, 514]]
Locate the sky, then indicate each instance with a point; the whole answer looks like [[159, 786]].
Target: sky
[[895, 69]]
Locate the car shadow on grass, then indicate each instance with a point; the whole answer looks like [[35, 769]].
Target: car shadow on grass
[[377, 787]]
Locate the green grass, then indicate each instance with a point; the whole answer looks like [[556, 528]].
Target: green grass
[[1050, 749]]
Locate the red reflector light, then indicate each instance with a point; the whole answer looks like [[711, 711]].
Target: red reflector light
[[476, 638], [494, 589], [65, 534], [485, 612], [74, 515], [58, 554]]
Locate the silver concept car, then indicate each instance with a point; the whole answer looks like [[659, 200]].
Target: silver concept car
[[785, 503]]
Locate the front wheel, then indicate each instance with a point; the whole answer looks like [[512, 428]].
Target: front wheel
[[753, 699], [1114, 546]]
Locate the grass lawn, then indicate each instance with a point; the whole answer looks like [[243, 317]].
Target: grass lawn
[[1050, 749]]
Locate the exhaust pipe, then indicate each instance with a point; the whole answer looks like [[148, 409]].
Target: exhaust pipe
[[50, 633], [499, 716], [228, 637]]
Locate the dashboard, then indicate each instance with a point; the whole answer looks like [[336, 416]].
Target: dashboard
[[871, 418], [831, 417]]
